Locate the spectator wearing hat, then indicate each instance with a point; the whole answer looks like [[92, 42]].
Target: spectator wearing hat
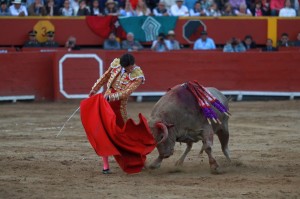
[[161, 44], [95, 8], [172, 43], [37, 9], [4, 11], [50, 43], [269, 46], [51, 8], [32, 42], [130, 44], [234, 45], [142, 9], [179, 9], [111, 43], [83, 9], [197, 10], [161, 10], [17, 9], [204, 42], [111, 8], [67, 10]]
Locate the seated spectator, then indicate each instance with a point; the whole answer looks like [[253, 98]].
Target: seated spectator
[[130, 44], [161, 9], [37, 9], [297, 42], [4, 11], [197, 10], [17, 9], [83, 9], [284, 41], [67, 10], [75, 6], [243, 11], [206, 4], [51, 8], [172, 43], [265, 5], [179, 9], [235, 4], [161, 44], [287, 11], [142, 9], [111, 43], [204, 43], [257, 11], [248, 42], [275, 6], [32, 42], [71, 44], [213, 11], [269, 46], [50, 43], [128, 11], [111, 8], [234, 45], [227, 10], [95, 8]]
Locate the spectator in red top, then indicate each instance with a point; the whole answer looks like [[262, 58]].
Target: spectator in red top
[[275, 6], [257, 11]]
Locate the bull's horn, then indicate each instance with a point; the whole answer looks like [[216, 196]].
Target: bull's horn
[[163, 127]]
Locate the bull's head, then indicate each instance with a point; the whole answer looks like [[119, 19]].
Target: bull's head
[[165, 141]]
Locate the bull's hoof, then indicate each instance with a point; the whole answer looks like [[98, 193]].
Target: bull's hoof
[[215, 170], [153, 166]]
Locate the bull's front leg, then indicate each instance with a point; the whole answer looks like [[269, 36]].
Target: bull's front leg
[[156, 163], [180, 161], [207, 146]]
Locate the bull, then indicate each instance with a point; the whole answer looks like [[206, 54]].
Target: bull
[[177, 117]]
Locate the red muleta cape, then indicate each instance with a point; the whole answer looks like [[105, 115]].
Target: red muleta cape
[[129, 145]]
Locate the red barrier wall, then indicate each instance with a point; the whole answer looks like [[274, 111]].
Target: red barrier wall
[[35, 73], [220, 29]]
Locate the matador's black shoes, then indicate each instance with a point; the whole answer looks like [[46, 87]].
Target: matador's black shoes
[[106, 171]]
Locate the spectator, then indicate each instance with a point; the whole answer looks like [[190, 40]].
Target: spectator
[[71, 44], [287, 11], [66, 10], [83, 9], [111, 8], [50, 43], [284, 41], [32, 42], [128, 10], [142, 9], [257, 11], [243, 11], [95, 8], [197, 10], [265, 5], [4, 11], [227, 10], [204, 43], [75, 6], [275, 6], [111, 43], [234, 45], [130, 44], [296, 6], [151, 4], [213, 11], [172, 43], [161, 44], [236, 3], [206, 4], [169, 3], [269, 46], [37, 9], [179, 9], [51, 8], [297, 42], [161, 9], [248, 42], [17, 9]]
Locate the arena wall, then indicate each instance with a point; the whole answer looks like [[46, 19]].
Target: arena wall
[[61, 75]]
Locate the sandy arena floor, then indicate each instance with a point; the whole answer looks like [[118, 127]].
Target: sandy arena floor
[[34, 163]]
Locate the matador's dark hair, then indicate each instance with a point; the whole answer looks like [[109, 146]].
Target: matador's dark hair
[[127, 60]]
